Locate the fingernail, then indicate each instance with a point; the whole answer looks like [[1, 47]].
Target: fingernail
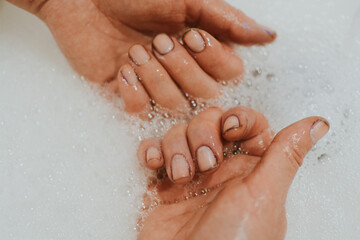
[[179, 167], [318, 130], [270, 32], [194, 40], [127, 72], [163, 44], [231, 123], [138, 54], [206, 159], [153, 154]]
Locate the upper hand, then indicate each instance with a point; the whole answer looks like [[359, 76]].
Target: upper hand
[[98, 36]]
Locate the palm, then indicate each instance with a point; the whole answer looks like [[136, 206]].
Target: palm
[[219, 206]]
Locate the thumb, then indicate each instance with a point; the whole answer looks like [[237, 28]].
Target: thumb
[[221, 19], [274, 175]]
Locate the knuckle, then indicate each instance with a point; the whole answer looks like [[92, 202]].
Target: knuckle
[[294, 154]]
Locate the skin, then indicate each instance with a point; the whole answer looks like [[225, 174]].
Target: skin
[[96, 37], [246, 194]]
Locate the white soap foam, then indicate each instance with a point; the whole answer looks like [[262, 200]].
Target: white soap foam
[[67, 162], [314, 69]]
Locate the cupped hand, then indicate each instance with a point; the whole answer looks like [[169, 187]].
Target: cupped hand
[[240, 196], [115, 43]]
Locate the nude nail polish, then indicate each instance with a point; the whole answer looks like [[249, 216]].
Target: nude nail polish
[[153, 154], [194, 40], [128, 73], [318, 130], [230, 123], [138, 55], [206, 159], [163, 43], [270, 32], [179, 167]]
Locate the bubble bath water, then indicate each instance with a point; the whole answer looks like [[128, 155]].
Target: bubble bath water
[[68, 167]]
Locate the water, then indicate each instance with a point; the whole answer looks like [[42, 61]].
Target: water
[[67, 160]]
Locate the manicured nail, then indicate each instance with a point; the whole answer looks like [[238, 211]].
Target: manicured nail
[[231, 123], [163, 44], [194, 40], [206, 159], [270, 32], [318, 130], [138, 54], [179, 167], [128, 73], [153, 154]]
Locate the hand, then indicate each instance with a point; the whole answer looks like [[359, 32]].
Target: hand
[[241, 198], [97, 37]]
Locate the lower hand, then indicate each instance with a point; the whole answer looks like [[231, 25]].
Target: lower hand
[[241, 195]]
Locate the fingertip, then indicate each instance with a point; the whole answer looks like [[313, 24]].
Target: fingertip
[[154, 159], [150, 153], [222, 19], [132, 92], [127, 74], [194, 41], [180, 170], [248, 31], [234, 126], [193, 80], [205, 141], [138, 54], [178, 160], [214, 57], [319, 129], [272, 33], [162, 44], [304, 133], [237, 123]]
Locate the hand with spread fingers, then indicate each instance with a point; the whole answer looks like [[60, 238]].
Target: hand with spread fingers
[[142, 51], [225, 177]]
